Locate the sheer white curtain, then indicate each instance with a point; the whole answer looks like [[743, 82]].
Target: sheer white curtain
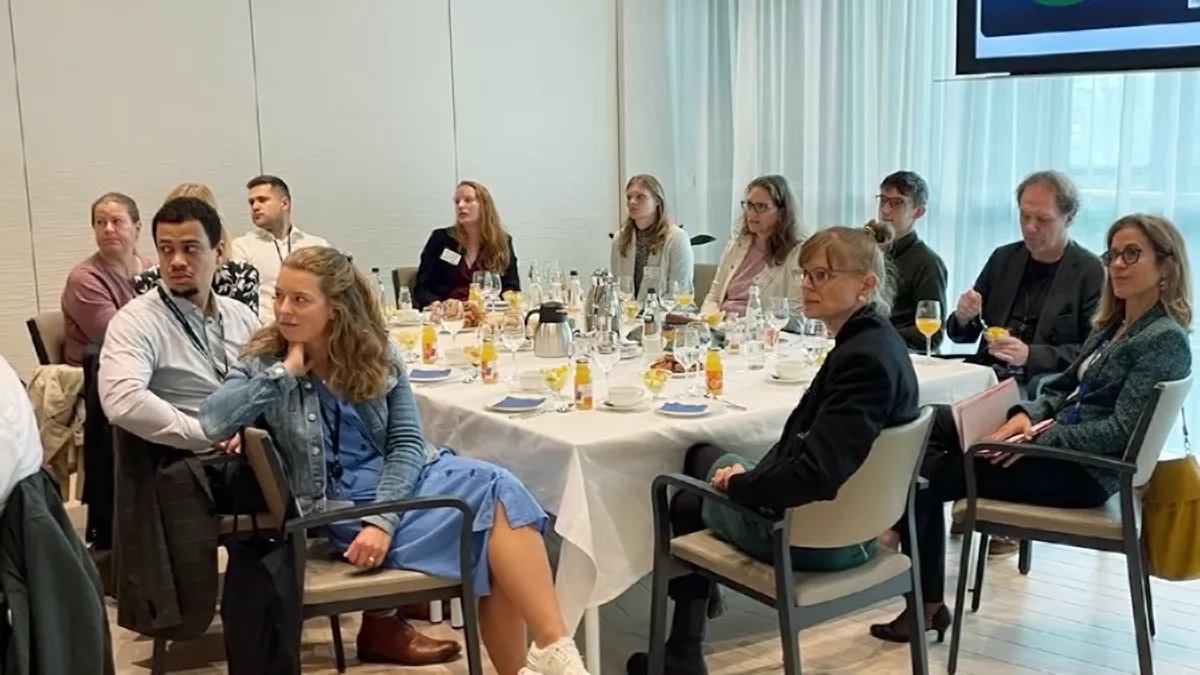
[[836, 94]]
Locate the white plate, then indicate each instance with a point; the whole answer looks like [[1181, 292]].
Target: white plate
[[683, 413], [415, 375], [518, 408], [777, 379], [637, 407]]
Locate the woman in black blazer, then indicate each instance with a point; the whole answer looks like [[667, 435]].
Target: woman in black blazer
[[866, 385], [477, 242]]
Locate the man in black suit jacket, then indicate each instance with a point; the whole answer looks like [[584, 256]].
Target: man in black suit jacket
[[1043, 289]]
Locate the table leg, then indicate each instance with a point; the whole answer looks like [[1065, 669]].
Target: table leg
[[591, 639]]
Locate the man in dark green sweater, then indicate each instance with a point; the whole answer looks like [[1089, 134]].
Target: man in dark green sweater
[[920, 273]]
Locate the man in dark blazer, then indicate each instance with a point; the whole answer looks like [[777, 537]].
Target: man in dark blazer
[[1042, 290]]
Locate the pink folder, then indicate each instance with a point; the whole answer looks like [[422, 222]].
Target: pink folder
[[985, 412]]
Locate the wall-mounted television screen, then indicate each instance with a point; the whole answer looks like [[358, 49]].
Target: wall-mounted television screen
[[1034, 37]]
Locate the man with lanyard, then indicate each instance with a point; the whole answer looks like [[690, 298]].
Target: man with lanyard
[[273, 239]]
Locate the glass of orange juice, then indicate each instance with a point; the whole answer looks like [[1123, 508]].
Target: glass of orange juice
[[929, 322]]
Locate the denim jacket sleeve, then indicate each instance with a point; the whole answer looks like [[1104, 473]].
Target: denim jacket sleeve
[[249, 388], [403, 452]]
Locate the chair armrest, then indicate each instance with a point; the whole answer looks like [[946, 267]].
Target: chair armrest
[[1074, 456], [699, 487], [396, 506]]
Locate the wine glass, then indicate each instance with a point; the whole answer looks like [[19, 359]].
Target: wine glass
[[492, 287], [513, 337], [606, 352], [683, 294], [625, 288], [778, 314], [453, 317], [688, 353], [669, 298], [929, 322]]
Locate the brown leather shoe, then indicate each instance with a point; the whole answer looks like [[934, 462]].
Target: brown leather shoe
[[391, 639], [417, 612]]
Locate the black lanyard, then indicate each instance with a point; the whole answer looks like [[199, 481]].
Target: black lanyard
[[192, 337], [335, 435], [279, 251]]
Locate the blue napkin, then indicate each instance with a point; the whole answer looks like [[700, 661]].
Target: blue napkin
[[686, 408], [428, 373], [511, 402]]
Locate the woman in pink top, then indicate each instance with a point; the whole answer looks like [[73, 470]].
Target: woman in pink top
[[765, 251], [102, 283]]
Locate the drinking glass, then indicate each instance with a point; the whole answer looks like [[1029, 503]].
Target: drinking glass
[[625, 288], [688, 352], [408, 337], [669, 298], [513, 337], [778, 315], [492, 287], [606, 352], [655, 380], [453, 317], [929, 322], [404, 298], [683, 294]]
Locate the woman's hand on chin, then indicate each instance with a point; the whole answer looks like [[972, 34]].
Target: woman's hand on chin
[[296, 362], [369, 548]]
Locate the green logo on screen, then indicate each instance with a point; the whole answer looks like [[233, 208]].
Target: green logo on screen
[[1058, 3]]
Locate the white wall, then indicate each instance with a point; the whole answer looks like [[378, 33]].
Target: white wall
[[371, 110]]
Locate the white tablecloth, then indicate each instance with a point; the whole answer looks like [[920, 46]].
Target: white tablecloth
[[593, 469]]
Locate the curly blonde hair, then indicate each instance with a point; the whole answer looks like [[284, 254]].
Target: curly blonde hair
[[359, 353]]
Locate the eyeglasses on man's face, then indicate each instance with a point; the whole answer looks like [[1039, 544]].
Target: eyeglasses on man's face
[[891, 202]]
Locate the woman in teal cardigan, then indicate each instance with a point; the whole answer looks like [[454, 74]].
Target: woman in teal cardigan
[[1139, 338]]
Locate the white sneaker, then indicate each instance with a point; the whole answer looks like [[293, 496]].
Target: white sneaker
[[559, 658]]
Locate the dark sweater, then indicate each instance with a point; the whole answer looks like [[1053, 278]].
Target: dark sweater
[[920, 275], [439, 279], [866, 385]]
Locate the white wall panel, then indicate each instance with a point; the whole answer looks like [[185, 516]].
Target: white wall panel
[[645, 93], [133, 96], [356, 115], [18, 299], [536, 100]]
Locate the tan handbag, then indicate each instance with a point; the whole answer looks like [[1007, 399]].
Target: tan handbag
[[1171, 517]]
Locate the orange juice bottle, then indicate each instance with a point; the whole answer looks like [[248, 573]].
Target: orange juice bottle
[[583, 384], [429, 350], [714, 373], [489, 367]]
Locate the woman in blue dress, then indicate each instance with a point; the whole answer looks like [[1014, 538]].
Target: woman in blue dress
[[334, 392]]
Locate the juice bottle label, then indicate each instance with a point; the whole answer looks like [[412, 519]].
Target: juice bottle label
[[429, 351], [770, 338], [489, 372], [583, 396], [715, 381]]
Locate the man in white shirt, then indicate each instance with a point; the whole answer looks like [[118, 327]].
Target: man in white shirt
[[165, 351], [273, 238], [20, 444]]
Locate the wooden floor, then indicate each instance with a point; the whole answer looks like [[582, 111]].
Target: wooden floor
[[1069, 616]]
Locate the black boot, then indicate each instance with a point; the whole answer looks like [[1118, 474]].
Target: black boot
[[685, 645]]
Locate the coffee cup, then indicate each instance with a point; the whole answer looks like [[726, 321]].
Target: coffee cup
[[625, 396]]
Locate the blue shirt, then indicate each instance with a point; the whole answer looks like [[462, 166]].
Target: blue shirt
[[353, 464]]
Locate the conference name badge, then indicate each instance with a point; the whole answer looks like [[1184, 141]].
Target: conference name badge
[[451, 257]]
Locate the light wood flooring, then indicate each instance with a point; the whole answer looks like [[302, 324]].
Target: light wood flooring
[[1070, 616]]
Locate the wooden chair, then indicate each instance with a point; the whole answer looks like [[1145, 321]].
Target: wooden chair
[[1114, 527], [333, 587], [872, 501], [403, 277], [48, 332], [702, 280]]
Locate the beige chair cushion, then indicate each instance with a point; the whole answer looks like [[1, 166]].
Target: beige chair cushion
[[704, 550], [1103, 522], [327, 581]]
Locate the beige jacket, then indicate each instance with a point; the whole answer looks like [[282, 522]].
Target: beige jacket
[[773, 281], [673, 263], [56, 392]]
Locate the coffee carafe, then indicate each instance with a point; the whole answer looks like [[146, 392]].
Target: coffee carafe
[[602, 307], [552, 337]]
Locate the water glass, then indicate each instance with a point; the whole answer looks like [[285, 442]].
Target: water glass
[[513, 337], [606, 352], [778, 314], [404, 299], [753, 349]]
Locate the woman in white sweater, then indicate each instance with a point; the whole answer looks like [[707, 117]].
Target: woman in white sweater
[[764, 252], [649, 247]]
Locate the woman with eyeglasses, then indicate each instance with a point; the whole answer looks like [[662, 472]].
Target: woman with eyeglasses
[[1139, 338], [762, 253], [867, 384]]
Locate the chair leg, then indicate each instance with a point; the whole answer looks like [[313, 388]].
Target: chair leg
[[960, 600], [158, 654], [980, 567], [1141, 625], [1025, 557], [658, 616], [471, 637], [918, 647], [339, 651], [1146, 586], [789, 634], [456, 613], [435, 611]]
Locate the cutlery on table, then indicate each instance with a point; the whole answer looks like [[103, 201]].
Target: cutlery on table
[[731, 404]]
